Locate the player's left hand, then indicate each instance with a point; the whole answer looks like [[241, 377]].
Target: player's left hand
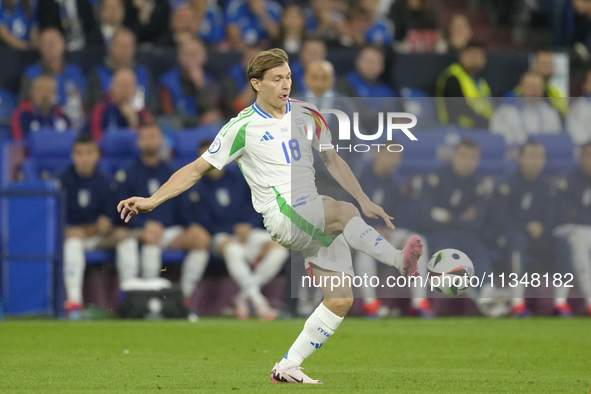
[[374, 211], [133, 206]]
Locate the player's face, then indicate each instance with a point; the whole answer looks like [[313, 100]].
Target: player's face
[[276, 86], [473, 60], [532, 161], [586, 160], [149, 140], [465, 161], [318, 80], [85, 158], [545, 64], [533, 86]]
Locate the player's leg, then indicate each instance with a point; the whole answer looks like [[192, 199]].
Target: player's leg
[[74, 265], [580, 243], [563, 264], [518, 244], [127, 255], [367, 265], [319, 327], [151, 251], [419, 302], [344, 218], [270, 254], [195, 240], [234, 255]]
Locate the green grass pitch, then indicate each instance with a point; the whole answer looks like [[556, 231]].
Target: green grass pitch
[[451, 355]]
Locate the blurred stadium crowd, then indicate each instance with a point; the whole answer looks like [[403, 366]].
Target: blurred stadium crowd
[[512, 196]]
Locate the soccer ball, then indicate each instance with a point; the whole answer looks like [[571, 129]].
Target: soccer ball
[[449, 272]]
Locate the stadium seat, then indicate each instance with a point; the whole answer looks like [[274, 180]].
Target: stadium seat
[[7, 104], [118, 147], [559, 152], [420, 104], [49, 152], [187, 142]]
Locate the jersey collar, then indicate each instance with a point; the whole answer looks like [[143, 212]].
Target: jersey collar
[[265, 115]]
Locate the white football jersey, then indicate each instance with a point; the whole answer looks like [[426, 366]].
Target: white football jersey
[[274, 155]]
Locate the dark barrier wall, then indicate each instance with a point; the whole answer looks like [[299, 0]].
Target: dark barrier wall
[[418, 71]]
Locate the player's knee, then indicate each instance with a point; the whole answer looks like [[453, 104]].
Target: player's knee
[[339, 306], [347, 211], [199, 237], [121, 234], [152, 232], [75, 232]]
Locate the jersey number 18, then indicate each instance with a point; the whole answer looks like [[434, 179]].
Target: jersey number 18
[[294, 146]]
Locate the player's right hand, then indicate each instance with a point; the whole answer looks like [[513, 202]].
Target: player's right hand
[[133, 206]]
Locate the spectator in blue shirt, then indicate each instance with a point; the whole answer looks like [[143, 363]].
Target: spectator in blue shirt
[[363, 28], [574, 227], [313, 49], [39, 113], [187, 92], [119, 111], [70, 81], [250, 21], [236, 92], [223, 204], [90, 209], [19, 23], [161, 228], [120, 54], [523, 208]]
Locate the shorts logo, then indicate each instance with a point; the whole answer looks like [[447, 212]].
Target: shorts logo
[[215, 145]]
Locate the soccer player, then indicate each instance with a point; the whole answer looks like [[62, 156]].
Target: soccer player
[[574, 216], [161, 229], [524, 214], [88, 222], [279, 171], [221, 203]]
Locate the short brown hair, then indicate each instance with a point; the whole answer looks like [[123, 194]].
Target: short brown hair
[[263, 62]]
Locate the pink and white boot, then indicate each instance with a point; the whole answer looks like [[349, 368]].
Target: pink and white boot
[[292, 374]]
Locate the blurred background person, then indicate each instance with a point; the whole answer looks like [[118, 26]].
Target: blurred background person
[[377, 179], [120, 54], [578, 119], [462, 79], [118, 111], [189, 95], [416, 24], [312, 49], [524, 211], [458, 34], [70, 81], [249, 22], [252, 258], [41, 112], [236, 91], [89, 225], [75, 19], [161, 228], [324, 20], [453, 206], [19, 24], [199, 19], [147, 19], [111, 14], [526, 115], [292, 30], [574, 226]]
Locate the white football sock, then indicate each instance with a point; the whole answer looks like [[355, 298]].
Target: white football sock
[[581, 262], [364, 238], [270, 265], [320, 326], [74, 264], [365, 264], [127, 258], [560, 295], [418, 292], [193, 268], [240, 271], [151, 261]]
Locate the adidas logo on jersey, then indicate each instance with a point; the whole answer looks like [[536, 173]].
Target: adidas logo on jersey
[[267, 136]]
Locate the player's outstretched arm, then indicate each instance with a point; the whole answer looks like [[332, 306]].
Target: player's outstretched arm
[[180, 181], [341, 172]]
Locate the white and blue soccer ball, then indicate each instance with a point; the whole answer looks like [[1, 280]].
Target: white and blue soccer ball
[[449, 272]]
